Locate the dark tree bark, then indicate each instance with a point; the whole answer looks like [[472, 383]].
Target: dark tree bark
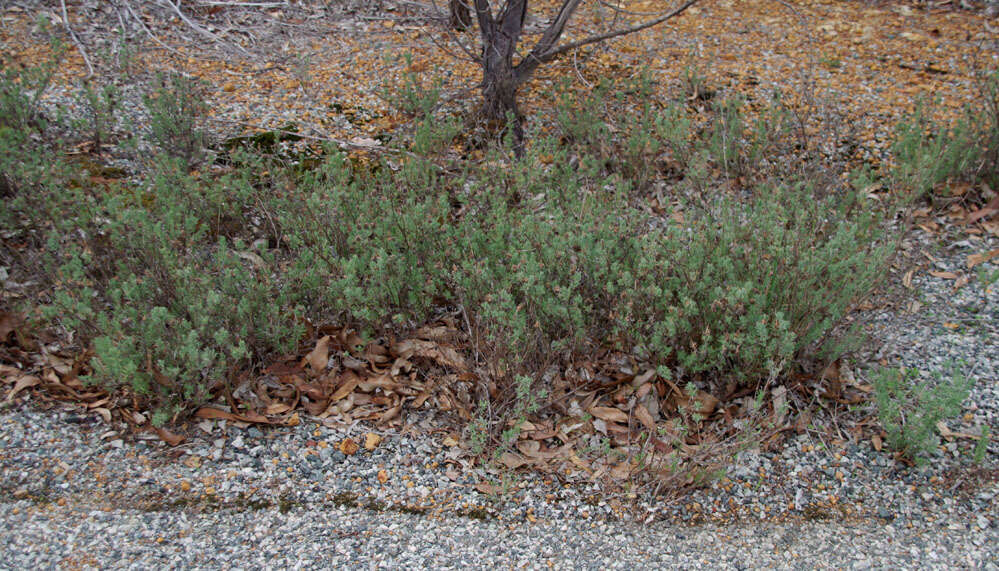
[[501, 34], [461, 15]]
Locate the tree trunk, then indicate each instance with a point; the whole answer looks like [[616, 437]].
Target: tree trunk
[[461, 16], [499, 88]]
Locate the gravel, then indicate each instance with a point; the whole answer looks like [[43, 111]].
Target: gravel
[[77, 492]]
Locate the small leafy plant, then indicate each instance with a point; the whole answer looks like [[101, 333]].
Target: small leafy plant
[[413, 97], [176, 109], [100, 104], [909, 409]]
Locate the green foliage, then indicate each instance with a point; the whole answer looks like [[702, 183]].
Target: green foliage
[[413, 97], [175, 305], [100, 104], [982, 446], [179, 281], [928, 153], [909, 410], [176, 108], [28, 171], [21, 89]]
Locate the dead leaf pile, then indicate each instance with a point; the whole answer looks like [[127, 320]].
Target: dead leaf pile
[[348, 379]]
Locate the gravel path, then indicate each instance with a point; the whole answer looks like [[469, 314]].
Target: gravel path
[[77, 492], [350, 537]]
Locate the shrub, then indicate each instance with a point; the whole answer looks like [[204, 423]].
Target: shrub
[[748, 285], [176, 108], [413, 97], [181, 280], [928, 153], [31, 168], [909, 410], [175, 304], [100, 105]]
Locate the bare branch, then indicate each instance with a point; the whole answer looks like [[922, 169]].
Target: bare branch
[[468, 51], [245, 4], [76, 40], [528, 65], [484, 13], [194, 25], [138, 19], [555, 29]]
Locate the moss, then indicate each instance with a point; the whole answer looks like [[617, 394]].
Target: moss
[[265, 142], [814, 512], [345, 499], [477, 513], [411, 509]]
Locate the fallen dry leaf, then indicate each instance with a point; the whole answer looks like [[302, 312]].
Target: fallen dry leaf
[[580, 463], [488, 489], [707, 403], [609, 414], [988, 210], [22, 383], [293, 420], [212, 413], [876, 441], [383, 382], [944, 275], [948, 433], [513, 461], [371, 441], [390, 414], [319, 357], [529, 448], [643, 416], [168, 437], [442, 354], [383, 476], [348, 447], [8, 324], [973, 260], [277, 408], [10, 374], [621, 471], [350, 383]]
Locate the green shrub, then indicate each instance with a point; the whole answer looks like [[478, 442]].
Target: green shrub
[[749, 284], [982, 446], [100, 106], [182, 280], [928, 153], [176, 108], [909, 410], [176, 303], [32, 171], [413, 97]]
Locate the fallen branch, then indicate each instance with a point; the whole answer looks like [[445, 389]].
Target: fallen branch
[[76, 40], [194, 25]]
